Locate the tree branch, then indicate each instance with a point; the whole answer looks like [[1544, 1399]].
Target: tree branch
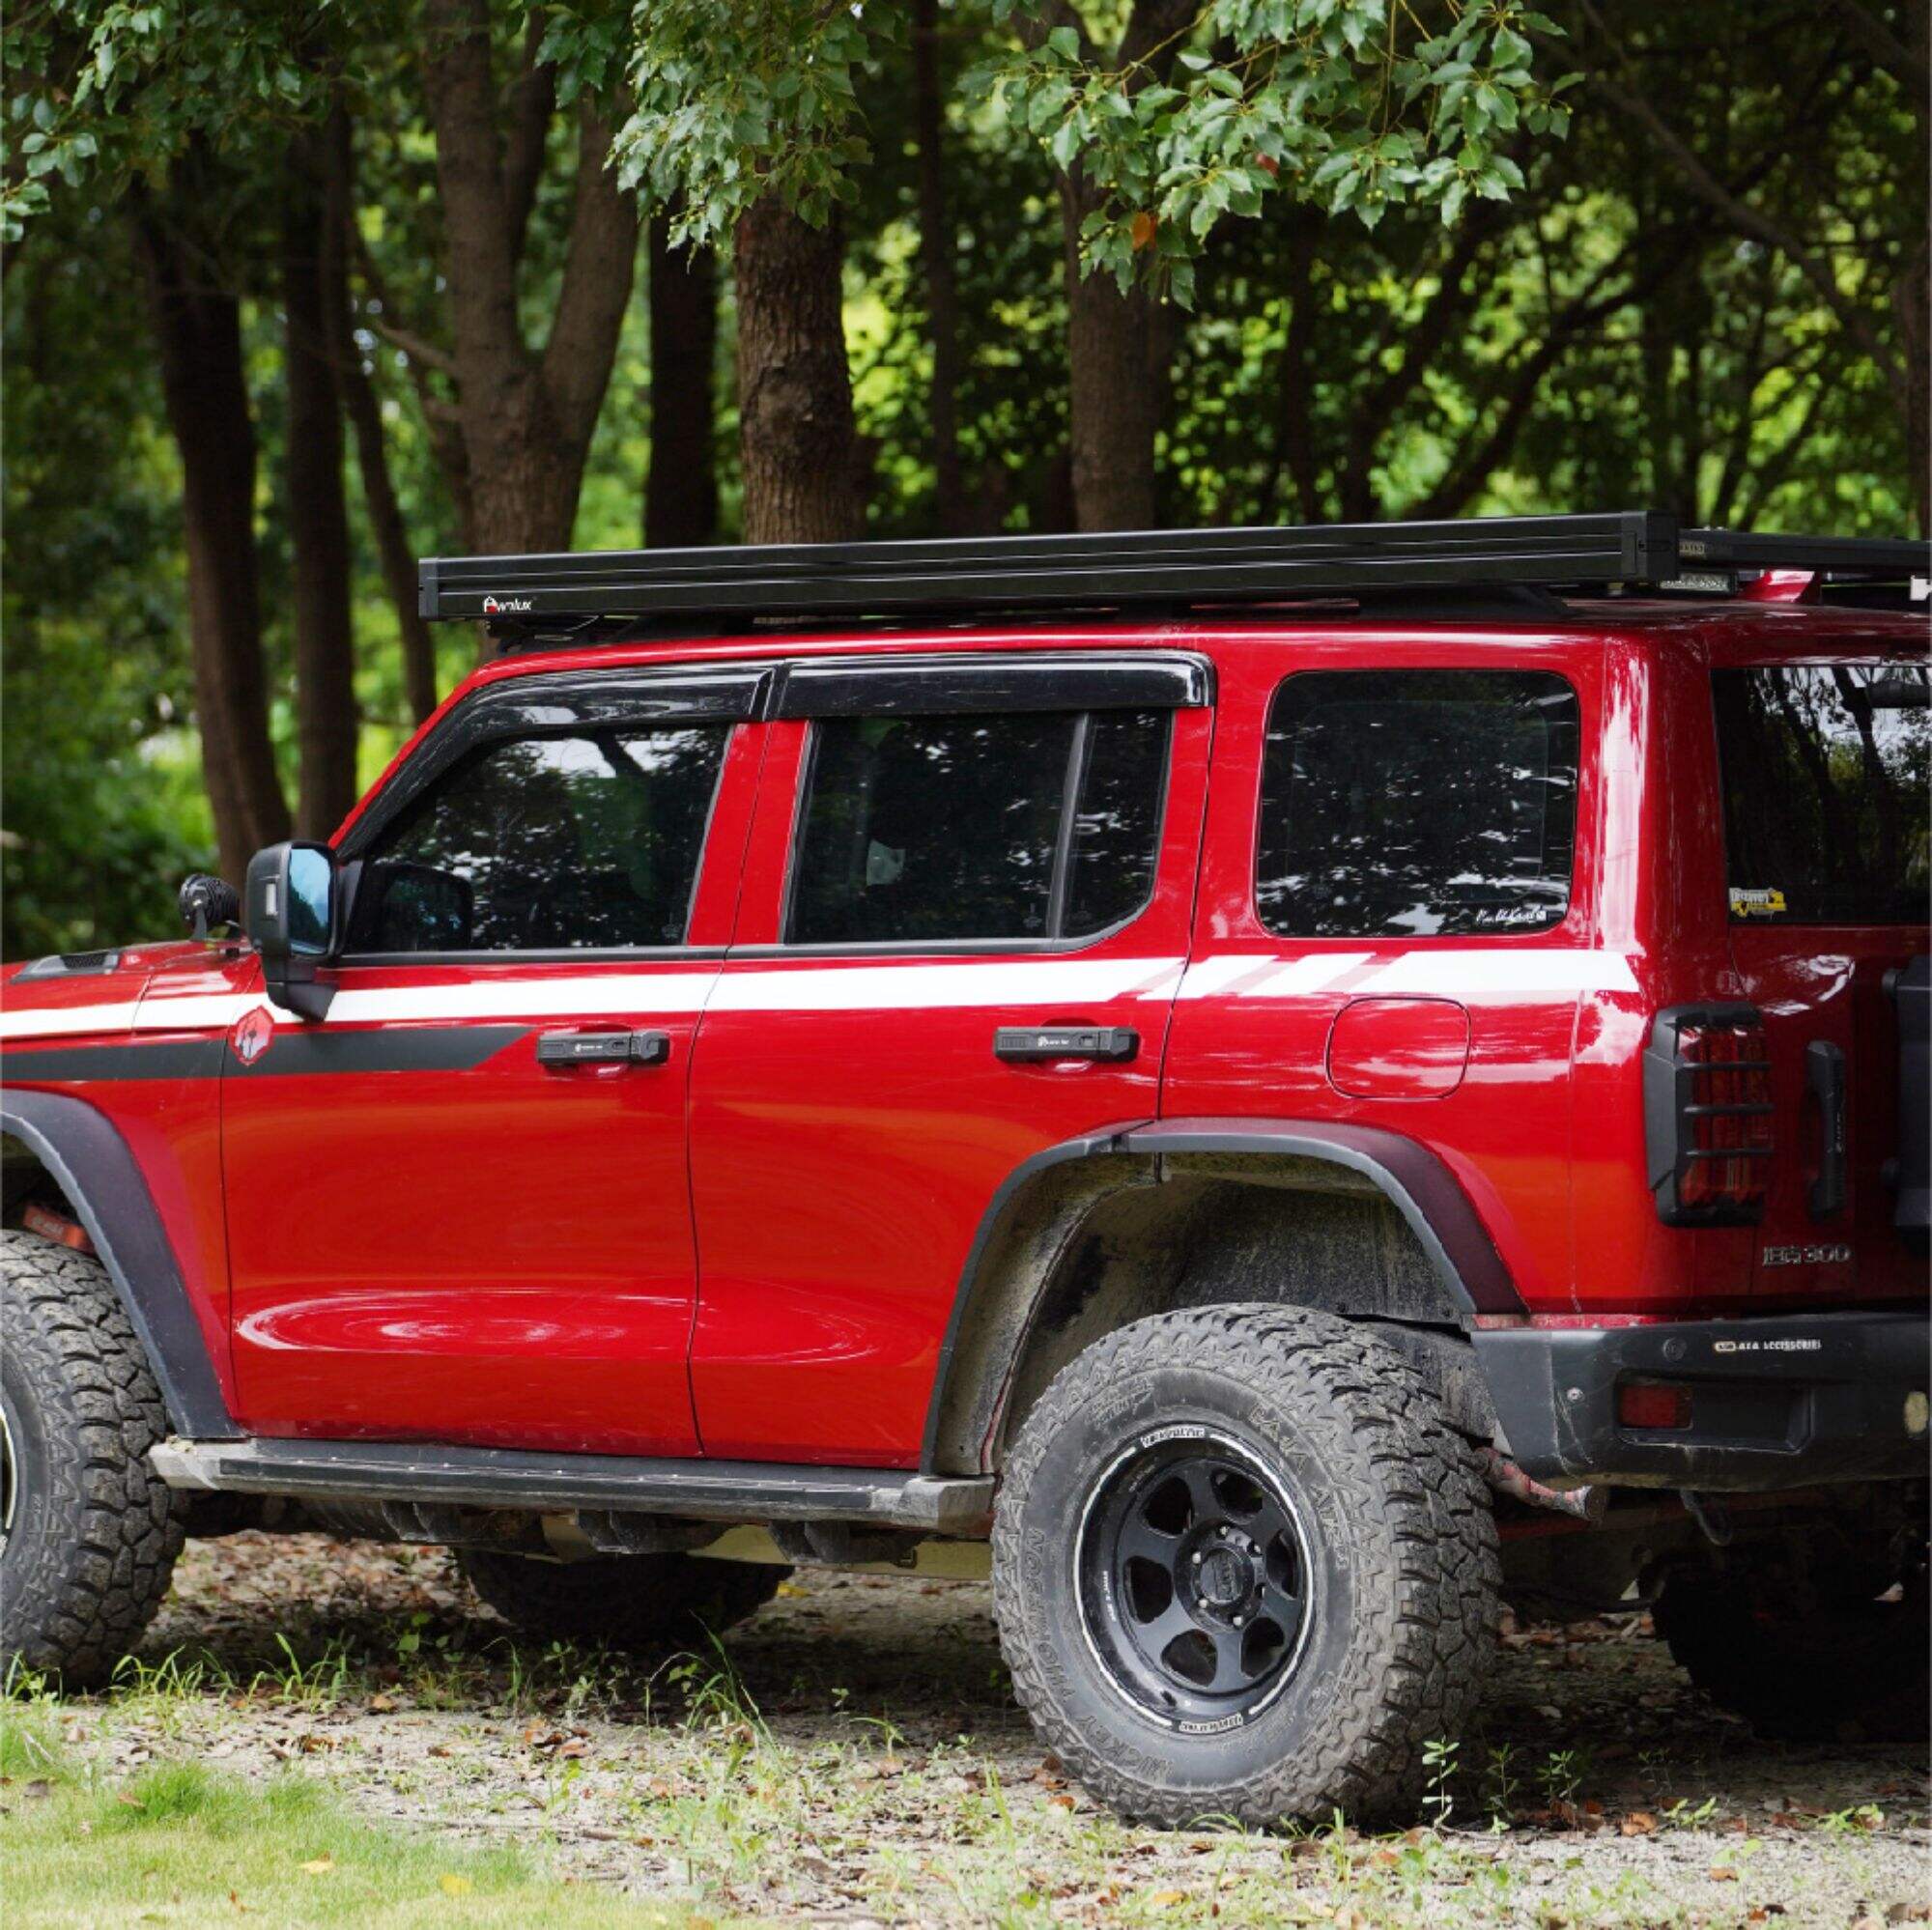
[[532, 102], [1908, 65], [1746, 219], [597, 275], [415, 346]]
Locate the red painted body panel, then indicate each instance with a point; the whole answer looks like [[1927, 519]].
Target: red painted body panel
[[1252, 1024], [850, 1124], [752, 1250], [498, 1255], [172, 1127]]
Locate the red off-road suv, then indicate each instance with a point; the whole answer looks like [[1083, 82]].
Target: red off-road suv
[[1300, 1083]]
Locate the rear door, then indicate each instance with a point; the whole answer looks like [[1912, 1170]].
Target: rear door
[[458, 1206], [965, 913], [1824, 768]]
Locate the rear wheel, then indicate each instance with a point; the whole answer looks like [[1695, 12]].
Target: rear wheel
[[1800, 1657], [88, 1532], [630, 1602], [1243, 1568]]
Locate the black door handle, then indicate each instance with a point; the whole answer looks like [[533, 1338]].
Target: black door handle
[[1026, 1046], [1825, 1073], [603, 1049]]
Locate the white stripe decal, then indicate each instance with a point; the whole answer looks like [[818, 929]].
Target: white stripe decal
[[54, 1020], [1477, 975], [1210, 978], [922, 987], [194, 1012], [587, 997], [1253, 975], [1472, 975]]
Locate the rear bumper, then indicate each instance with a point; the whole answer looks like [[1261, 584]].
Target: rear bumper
[[1783, 1403]]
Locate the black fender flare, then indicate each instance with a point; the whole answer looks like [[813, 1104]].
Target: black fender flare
[[93, 1165], [1431, 1200]]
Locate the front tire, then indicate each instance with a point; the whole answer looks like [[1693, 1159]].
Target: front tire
[[643, 1603], [1243, 1568], [90, 1532]]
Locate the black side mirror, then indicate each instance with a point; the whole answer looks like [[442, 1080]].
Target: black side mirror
[[290, 903]]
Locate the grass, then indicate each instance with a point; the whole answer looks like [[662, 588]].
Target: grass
[[774, 1777], [179, 1843]]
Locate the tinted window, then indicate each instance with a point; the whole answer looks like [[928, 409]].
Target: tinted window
[[547, 844], [929, 829], [1116, 823], [1825, 779], [1411, 803]]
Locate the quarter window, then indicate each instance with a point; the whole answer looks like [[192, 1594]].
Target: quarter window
[[1038, 825], [547, 845], [1825, 770], [1417, 803]]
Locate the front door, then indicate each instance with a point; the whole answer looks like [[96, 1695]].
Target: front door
[[458, 1207], [965, 913]]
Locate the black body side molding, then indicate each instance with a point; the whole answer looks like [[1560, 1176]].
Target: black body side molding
[[1137, 1154], [90, 1163]]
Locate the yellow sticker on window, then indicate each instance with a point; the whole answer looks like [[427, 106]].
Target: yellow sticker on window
[[1757, 904]]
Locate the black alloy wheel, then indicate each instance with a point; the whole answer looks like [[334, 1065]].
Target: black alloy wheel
[[1194, 1580]]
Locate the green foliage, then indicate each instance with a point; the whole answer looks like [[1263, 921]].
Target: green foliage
[[733, 103], [103, 805], [118, 88], [1353, 104]]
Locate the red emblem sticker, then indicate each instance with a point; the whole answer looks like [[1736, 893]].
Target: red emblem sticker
[[251, 1036]]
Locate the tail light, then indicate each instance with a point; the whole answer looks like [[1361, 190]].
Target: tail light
[[1707, 1114]]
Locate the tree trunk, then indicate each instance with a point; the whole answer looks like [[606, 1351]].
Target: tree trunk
[[799, 451], [1912, 310], [1114, 402], [681, 488], [526, 417], [935, 260], [1294, 418], [358, 395], [198, 336], [326, 720]]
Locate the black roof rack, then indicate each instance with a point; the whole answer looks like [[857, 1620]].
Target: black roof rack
[[626, 590]]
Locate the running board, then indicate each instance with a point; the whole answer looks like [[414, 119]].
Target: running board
[[704, 1490]]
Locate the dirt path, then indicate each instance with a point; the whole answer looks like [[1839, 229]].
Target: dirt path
[[862, 1757]]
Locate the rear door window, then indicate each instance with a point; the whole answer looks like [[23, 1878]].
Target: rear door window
[[1417, 803], [1030, 826], [1824, 775]]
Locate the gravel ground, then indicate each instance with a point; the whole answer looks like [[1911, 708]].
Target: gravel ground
[[855, 1753]]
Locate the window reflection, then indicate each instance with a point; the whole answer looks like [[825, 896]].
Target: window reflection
[[1417, 803], [1825, 776], [548, 843]]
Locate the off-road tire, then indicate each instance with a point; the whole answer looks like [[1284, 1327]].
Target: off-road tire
[[1401, 1546], [94, 1531], [1849, 1671], [646, 1602]]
